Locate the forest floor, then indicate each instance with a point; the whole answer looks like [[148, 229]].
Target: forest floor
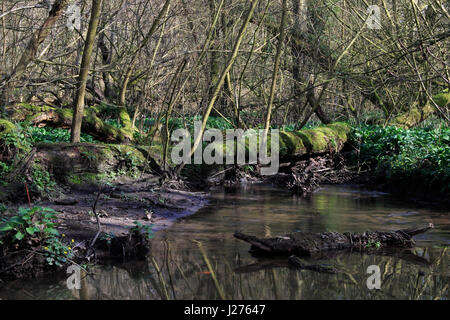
[[119, 207]]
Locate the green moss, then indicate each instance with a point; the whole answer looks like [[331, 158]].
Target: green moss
[[408, 119], [291, 143], [5, 127], [341, 129], [122, 135], [84, 178], [65, 113], [442, 99], [124, 150], [34, 108], [314, 140], [330, 135], [125, 117], [27, 112], [415, 115], [92, 122]]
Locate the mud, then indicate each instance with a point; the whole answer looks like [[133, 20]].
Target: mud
[[120, 206]]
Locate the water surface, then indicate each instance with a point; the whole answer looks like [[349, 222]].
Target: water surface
[[421, 273]]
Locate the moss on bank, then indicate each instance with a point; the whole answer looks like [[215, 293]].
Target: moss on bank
[[416, 115], [73, 159]]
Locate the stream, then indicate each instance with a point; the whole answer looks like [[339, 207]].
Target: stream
[[179, 270]]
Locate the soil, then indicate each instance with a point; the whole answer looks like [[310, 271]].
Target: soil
[[120, 206]]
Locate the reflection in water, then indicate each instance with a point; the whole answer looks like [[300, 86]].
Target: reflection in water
[[179, 270]]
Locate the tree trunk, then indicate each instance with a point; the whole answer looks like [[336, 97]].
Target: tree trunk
[[78, 109]]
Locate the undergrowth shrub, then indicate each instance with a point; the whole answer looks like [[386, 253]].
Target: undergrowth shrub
[[414, 158]]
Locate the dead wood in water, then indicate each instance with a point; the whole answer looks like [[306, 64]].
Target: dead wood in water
[[307, 243]]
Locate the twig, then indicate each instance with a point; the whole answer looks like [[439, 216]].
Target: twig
[[91, 245], [211, 270]]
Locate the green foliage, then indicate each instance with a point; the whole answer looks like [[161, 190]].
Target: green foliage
[[294, 126], [37, 227], [4, 170], [47, 134], [26, 135], [403, 156], [19, 138], [42, 181], [3, 208], [114, 123], [373, 244], [139, 138], [188, 123], [107, 237], [146, 231], [129, 160]]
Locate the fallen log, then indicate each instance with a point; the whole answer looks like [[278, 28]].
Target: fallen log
[[307, 243], [93, 124]]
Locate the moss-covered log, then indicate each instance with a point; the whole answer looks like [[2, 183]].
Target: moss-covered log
[[306, 243], [92, 123], [416, 115], [324, 139], [330, 138]]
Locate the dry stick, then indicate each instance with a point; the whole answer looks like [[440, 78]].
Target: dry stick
[[276, 67], [30, 52], [174, 100], [401, 47], [252, 50], [158, 44], [219, 84], [435, 105], [206, 44], [144, 42], [91, 245], [317, 102], [161, 279], [27, 258], [213, 274], [176, 76]]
